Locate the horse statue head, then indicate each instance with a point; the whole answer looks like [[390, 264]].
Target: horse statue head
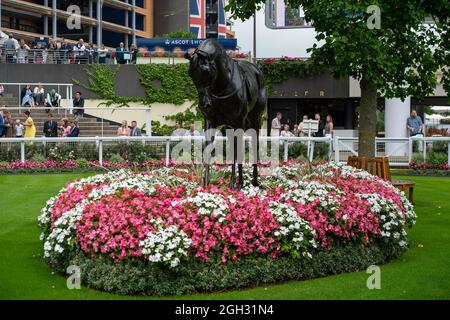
[[206, 64]]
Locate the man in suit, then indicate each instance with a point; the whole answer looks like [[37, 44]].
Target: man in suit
[[75, 130], [78, 102], [50, 127], [120, 54], [135, 131]]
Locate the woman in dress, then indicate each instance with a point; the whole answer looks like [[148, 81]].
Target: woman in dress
[[329, 126], [27, 96], [65, 129], [9, 124], [30, 129], [123, 130]]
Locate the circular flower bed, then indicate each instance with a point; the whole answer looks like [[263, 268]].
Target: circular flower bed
[[162, 232]]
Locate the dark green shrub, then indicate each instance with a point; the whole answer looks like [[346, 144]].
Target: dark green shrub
[[140, 277]]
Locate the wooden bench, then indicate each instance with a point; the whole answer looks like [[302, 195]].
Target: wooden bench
[[379, 166]]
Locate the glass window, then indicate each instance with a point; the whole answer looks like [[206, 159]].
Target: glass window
[[281, 16]]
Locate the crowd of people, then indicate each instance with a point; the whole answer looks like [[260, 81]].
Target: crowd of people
[[26, 128], [62, 52], [325, 128]]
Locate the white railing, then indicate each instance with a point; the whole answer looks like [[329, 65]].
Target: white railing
[[66, 93], [341, 146], [399, 150], [285, 142]]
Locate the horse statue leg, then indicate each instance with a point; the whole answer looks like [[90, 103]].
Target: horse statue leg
[[255, 165]]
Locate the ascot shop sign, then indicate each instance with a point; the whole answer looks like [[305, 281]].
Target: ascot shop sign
[[171, 43]]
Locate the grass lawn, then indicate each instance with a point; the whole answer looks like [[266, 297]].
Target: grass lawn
[[423, 272]]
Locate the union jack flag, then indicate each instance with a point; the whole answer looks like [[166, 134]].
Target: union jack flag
[[197, 17]]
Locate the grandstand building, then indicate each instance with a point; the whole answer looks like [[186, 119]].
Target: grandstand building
[[112, 21], [101, 21]]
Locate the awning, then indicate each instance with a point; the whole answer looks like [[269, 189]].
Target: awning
[[171, 43]]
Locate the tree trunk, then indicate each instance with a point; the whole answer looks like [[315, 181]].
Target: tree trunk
[[367, 119]]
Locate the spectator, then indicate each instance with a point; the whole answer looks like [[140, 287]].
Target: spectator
[[133, 52], [296, 131], [64, 49], [123, 130], [38, 54], [52, 51], [30, 129], [65, 129], [50, 127], [39, 94], [2, 90], [329, 126], [18, 129], [90, 52], [26, 96], [319, 132], [285, 132], [192, 131], [10, 47], [8, 131], [303, 132], [2, 124], [102, 54], [78, 102], [53, 100], [120, 54], [178, 131], [135, 131], [414, 124], [80, 52], [276, 125], [22, 52], [75, 131]]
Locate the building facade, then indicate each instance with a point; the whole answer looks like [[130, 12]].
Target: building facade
[[97, 21]]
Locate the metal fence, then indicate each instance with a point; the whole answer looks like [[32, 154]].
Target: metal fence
[[150, 147], [161, 147]]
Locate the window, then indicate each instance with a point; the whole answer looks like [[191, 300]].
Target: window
[[281, 16]]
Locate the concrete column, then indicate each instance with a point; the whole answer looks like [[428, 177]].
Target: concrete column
[[126, 25], [133, 20], [45, 19], [99, 22], [54, 20], [396, 113], [91, 28]]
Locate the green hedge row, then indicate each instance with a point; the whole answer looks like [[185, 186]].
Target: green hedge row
[[138, 277]]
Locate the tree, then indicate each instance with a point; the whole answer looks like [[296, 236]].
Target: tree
[[382, 43]]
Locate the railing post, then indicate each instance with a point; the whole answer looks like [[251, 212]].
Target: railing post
[[148, 120], [410, 149], [424, 150], [167, 152], [311, 151], [100, 152], [22, 151], [286, 150], [336, 149], [448, 150]]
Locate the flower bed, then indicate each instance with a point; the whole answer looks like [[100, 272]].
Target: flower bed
[[161, 232]]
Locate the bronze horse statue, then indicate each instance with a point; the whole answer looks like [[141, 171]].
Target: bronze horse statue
[[232, 93]]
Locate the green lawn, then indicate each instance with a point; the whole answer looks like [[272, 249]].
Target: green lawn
[[422, 273]]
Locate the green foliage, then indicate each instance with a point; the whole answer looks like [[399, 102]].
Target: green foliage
[[278, 70], [133, 151], [167, 83], [138, 277], [181, 34]]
